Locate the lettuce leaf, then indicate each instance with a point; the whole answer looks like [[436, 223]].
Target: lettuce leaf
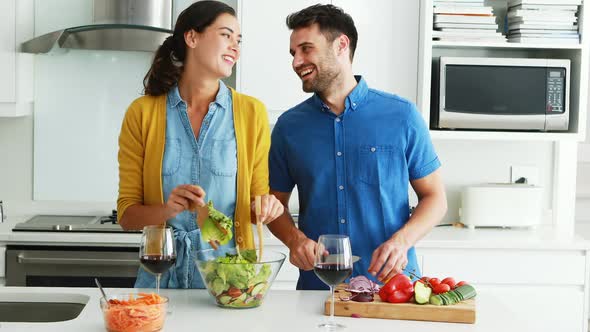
[[211, 232]]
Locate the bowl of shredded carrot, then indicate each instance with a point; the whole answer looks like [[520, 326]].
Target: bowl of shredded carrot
[[140, 312]]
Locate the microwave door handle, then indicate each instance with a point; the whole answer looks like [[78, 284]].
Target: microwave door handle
[[21, 259]]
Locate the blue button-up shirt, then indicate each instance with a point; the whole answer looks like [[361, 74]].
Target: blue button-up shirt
[[208, 159], [352, 171]]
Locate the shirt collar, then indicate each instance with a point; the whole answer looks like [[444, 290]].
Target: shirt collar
[[223, 97], [358, 94], [352, 101], [174, 96]]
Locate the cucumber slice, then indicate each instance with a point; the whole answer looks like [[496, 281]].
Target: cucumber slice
[[455, 296], [436, 300]]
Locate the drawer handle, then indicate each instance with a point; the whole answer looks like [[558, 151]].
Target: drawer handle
[[76, 261]]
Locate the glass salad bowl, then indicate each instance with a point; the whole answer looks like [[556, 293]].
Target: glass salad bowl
[[238, 281]]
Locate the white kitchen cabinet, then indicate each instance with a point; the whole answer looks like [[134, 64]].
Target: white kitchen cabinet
[[555, 277], [380, 56], [16, 69], [287, 277], [7, 51], [265, 65]]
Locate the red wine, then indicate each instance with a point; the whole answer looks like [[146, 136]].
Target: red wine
[[157, 263], [332, 274]]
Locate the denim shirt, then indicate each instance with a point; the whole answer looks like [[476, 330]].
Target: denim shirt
[[208, 160], [354, 180]]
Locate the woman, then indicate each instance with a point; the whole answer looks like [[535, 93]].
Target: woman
[[191, 129]]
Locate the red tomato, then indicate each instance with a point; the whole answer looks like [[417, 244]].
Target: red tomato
[[425, 278], [449, 281], [461, 283], [441, 288], [434, 281]]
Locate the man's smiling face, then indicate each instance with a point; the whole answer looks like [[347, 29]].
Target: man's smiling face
[[314, 59]]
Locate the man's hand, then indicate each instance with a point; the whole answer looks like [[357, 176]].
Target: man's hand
[[391, 257], [302, 252], [185, 197], [270, 209]]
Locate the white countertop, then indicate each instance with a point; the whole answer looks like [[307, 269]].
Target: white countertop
[[541, 238], [194, 310]]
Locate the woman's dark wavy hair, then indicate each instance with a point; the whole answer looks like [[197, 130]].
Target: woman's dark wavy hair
[[332, 20], [169, 58]]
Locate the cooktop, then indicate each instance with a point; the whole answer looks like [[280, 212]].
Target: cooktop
[[62, 223]]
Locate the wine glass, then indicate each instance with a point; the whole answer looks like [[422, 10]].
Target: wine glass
[[333, 264], [157, 253]]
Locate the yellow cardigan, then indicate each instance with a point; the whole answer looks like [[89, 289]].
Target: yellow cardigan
[[141, 151]]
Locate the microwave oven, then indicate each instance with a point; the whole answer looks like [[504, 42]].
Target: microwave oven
[[502, 94]]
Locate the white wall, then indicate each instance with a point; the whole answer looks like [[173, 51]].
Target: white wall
[[77, 121], [16, 158], [464, 162]]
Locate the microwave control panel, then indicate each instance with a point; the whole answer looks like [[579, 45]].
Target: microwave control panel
[[555, 90]]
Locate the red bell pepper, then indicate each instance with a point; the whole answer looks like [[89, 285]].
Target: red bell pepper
[[398, 289]]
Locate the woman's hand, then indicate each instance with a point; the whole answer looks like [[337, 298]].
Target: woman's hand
[[185, 197], [270, 209]]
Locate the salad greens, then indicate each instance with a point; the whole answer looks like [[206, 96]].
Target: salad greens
[[234, 279], [217, 228]]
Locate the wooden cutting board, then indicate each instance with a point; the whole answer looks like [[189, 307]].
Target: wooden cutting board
[[462, 312]]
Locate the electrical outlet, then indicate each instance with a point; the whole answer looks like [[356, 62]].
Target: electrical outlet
[[530, 173]]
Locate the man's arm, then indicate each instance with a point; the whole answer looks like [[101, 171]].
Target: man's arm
[[301, 248], [391, 257]]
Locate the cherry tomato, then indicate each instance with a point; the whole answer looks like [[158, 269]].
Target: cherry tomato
[[449, 281], [434, 281], [441, 288], [425, 278], [461, 283]]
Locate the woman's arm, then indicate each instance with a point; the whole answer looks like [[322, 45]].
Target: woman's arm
[[271, 207], [133, 214], [183, 197]]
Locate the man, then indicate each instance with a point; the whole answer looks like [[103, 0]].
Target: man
[[351, 151]]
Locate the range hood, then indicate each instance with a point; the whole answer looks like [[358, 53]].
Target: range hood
[[123, 25]]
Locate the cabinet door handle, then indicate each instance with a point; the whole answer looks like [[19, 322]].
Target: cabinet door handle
[[76, 261]]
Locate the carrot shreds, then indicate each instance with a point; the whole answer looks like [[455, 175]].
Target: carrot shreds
[[146, 312]]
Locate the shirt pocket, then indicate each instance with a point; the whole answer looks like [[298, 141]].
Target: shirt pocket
[[375, 162], [220, 158], [172, 154]]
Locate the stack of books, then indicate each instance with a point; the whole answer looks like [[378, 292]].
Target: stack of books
[[465, 20], [543, 21]]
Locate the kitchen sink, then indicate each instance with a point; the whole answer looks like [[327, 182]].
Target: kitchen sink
[[40, 307]]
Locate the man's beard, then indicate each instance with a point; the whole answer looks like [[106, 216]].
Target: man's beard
[[324, 78]]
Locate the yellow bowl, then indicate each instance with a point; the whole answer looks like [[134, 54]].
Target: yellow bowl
[[238, 285], [121, 316]]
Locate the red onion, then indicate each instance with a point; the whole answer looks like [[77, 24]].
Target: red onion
[[362, 284], [361, 289]]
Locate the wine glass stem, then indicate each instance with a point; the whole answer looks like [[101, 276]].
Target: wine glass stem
[[158, 284], [331, 321]]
